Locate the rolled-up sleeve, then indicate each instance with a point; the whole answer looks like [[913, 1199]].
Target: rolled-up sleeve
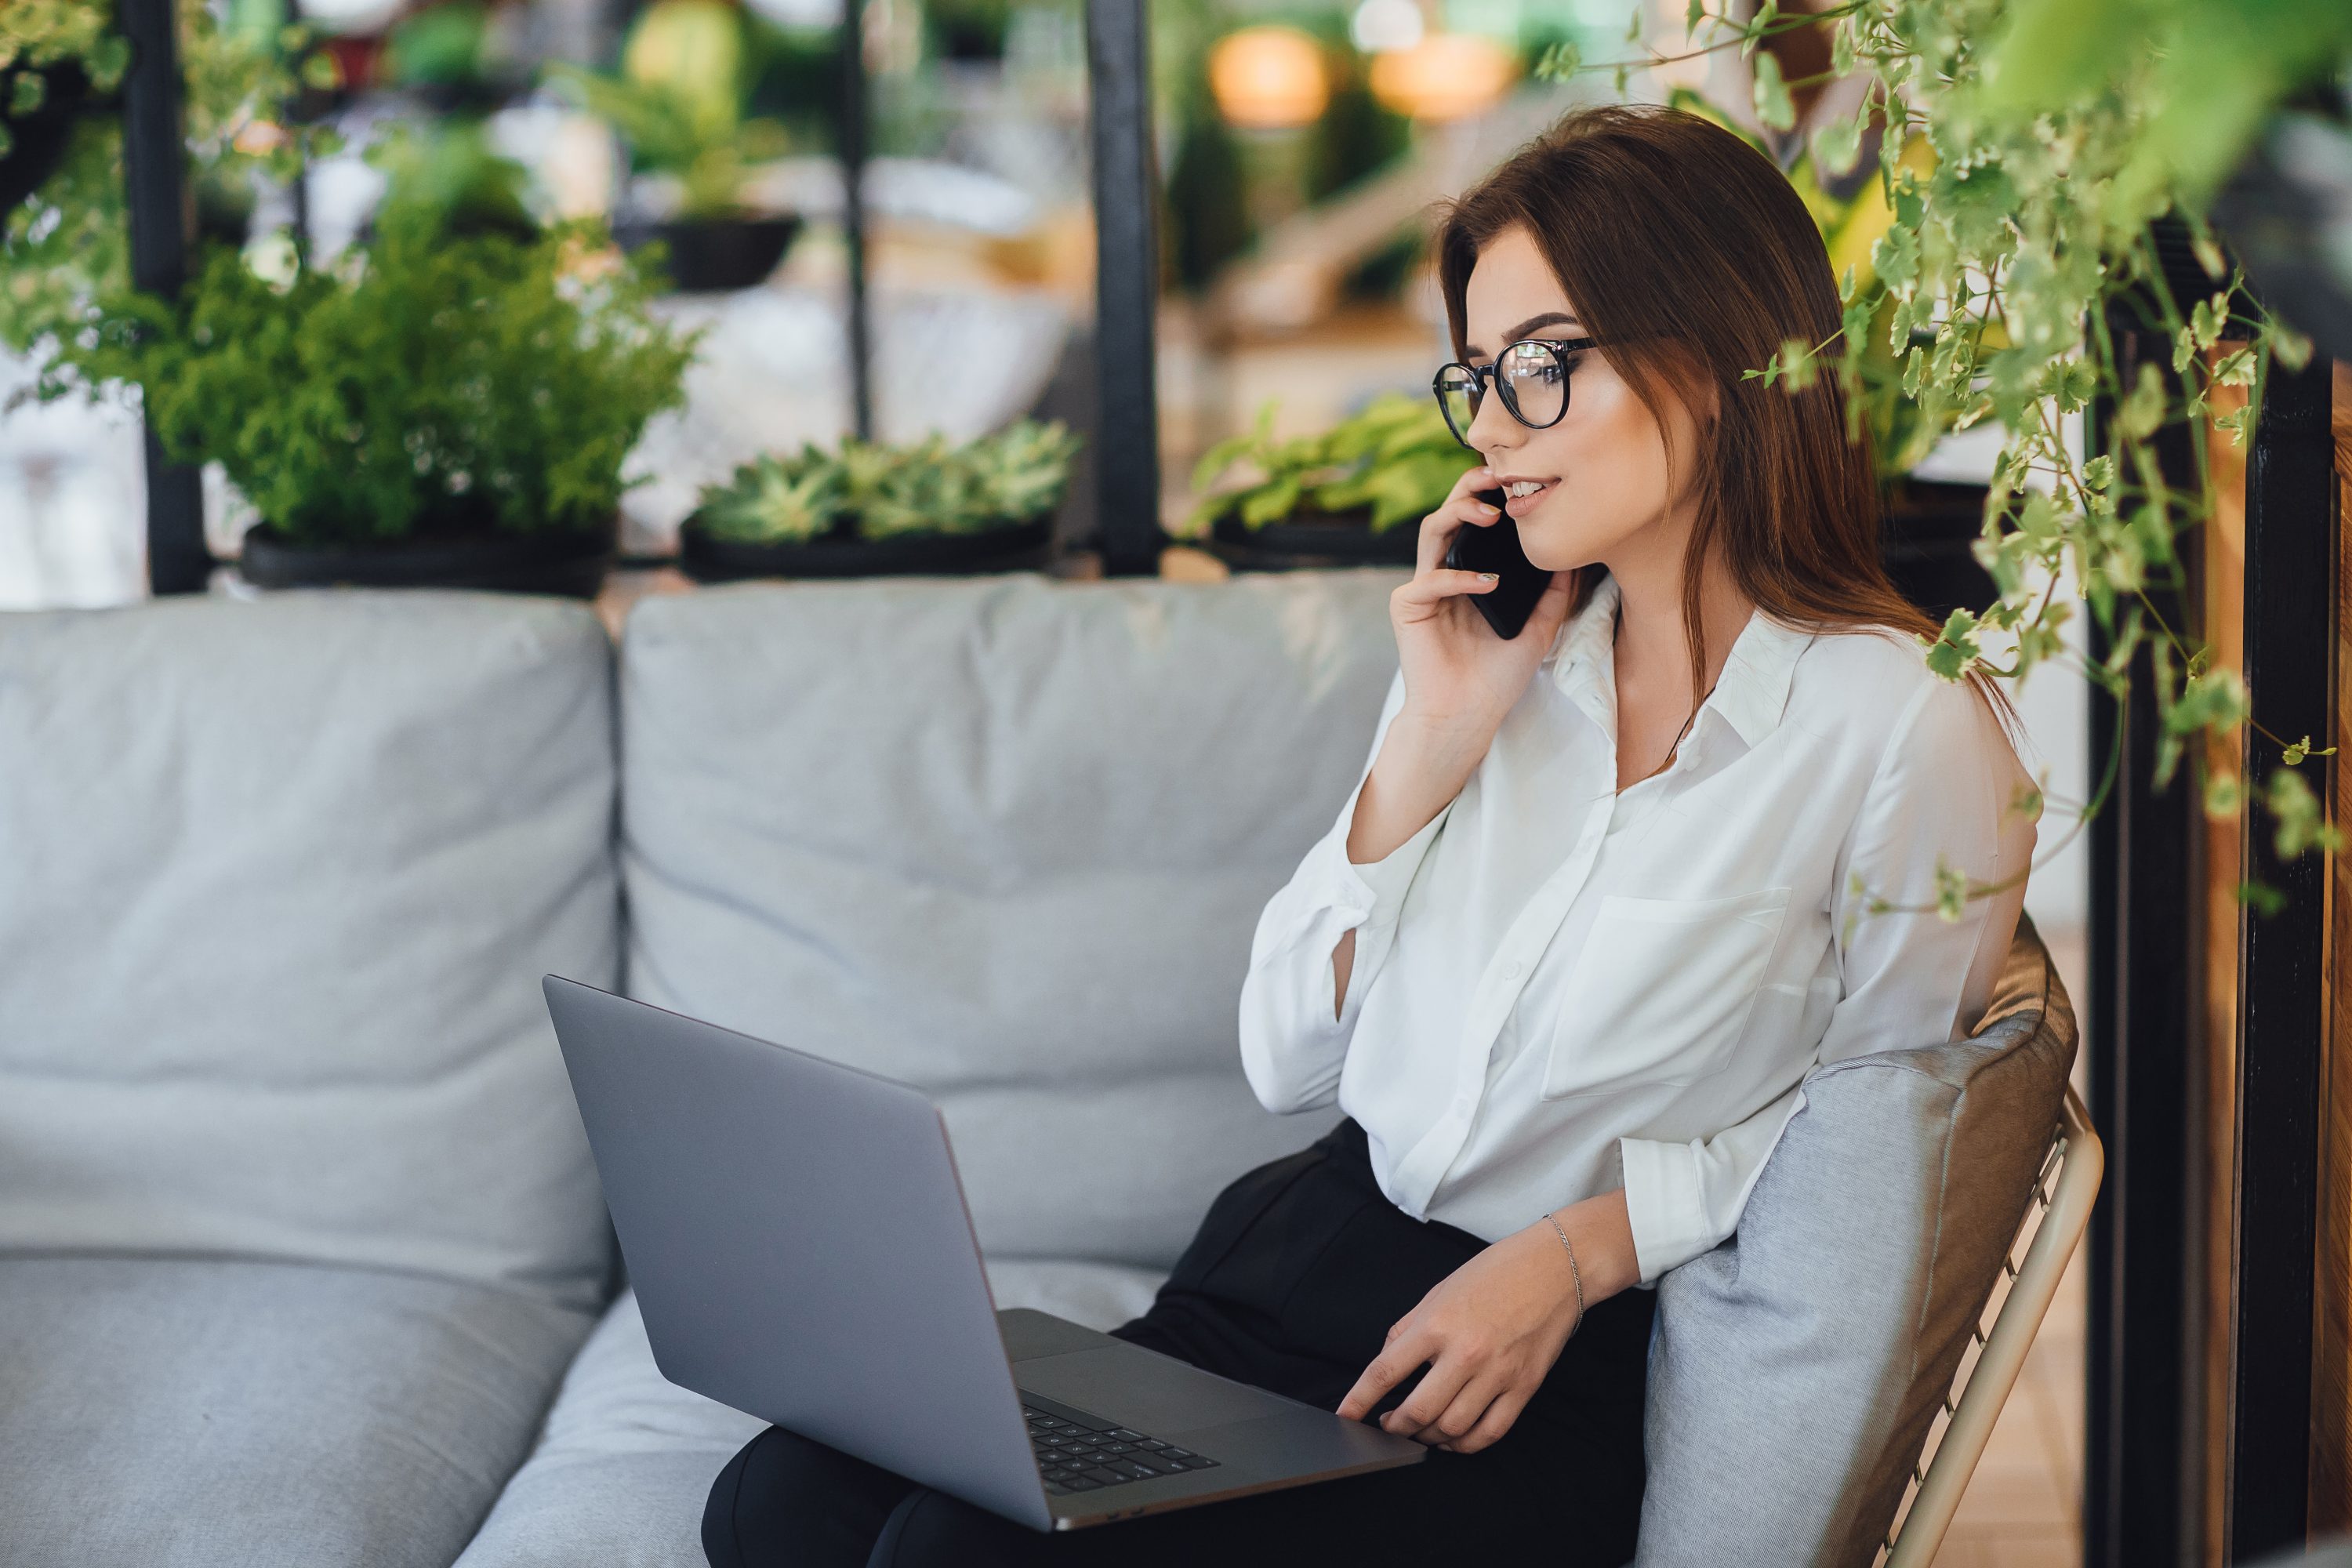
[[1294, 1031], [1681, 1199], [1948, 801]]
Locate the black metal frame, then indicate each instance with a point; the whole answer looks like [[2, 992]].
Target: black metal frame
[[850, 133], [1126, 286], [155, 171], [2291, 582], [2143, 1471]]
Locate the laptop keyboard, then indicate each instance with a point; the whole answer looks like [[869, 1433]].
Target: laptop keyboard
[[1076, 1453]]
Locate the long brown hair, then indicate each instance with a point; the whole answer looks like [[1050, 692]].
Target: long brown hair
[[1673, 235]]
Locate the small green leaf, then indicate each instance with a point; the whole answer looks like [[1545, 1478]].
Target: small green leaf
[[1952, 892], [1837, 146], [2294, 754], [2300, 825], [1773, 105], [2260, 896], [1559, 63], [2142, 412], [2224, 796], [1954, 652]]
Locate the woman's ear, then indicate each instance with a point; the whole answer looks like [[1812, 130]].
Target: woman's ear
[[1706, 406]]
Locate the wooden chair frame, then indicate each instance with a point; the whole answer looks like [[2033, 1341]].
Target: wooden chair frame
[[2054, 1222]]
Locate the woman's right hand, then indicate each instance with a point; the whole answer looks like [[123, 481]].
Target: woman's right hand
[[1460, 679]]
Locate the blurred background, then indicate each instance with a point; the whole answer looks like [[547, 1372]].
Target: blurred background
[[1301, 148]]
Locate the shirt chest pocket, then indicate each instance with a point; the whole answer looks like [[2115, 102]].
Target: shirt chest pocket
[[1661, 991]]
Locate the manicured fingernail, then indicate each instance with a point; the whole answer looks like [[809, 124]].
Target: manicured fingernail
[[1490, 511], [1486, 577]]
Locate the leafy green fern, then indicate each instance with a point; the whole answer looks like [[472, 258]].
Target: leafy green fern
[[435, 383]]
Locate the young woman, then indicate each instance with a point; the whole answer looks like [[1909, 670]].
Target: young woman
[[1606, 891]]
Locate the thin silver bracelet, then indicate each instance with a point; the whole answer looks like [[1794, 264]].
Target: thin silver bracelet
[[1573, 1272]]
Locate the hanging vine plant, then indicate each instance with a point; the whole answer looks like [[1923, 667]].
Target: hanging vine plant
[[64, 240], [2024, 151]]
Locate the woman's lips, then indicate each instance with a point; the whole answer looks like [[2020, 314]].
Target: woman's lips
[[1519, 506]]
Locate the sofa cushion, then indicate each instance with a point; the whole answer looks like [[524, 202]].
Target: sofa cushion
[[282, 877], [1006, 839], [1797, 1368], [1098, 1295], [175, 1413], [621, 1470]]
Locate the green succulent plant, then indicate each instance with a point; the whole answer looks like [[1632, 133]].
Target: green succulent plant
[[1023, 468], [928, 487], [779, 498], [1396, 457]]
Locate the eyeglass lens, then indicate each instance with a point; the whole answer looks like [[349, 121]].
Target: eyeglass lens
[[1532, 377]]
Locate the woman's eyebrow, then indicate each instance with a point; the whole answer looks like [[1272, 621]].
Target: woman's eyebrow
[[1533, 323]]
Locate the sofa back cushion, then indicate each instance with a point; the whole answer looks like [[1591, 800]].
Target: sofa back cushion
[[280, 881], [1005, 839], [1797, 1368]]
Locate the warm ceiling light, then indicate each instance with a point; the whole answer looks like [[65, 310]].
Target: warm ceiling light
[[1268, 78], [1447, 76]]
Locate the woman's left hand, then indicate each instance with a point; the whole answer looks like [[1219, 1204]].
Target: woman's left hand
[[1490, 1331]]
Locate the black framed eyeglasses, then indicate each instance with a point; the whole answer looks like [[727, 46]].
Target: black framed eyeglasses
[[1532, 375]]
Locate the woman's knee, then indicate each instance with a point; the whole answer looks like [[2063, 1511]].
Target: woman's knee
[[784, 1498], [932, 1529]]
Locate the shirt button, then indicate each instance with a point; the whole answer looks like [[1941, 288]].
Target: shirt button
[[1511, 970]]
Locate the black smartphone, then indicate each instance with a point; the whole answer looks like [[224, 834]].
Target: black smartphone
[[1519, 583]]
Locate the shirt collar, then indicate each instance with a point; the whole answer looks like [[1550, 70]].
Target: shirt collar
[[1750, 695]]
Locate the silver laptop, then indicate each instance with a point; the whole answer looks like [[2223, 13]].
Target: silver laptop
[[800, 1246]]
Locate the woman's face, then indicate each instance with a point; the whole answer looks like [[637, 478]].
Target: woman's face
[[1593, 487]]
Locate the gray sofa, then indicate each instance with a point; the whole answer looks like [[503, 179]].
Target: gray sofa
[[303, 1258]]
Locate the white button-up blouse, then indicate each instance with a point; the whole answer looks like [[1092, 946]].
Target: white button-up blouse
[[1558, 989]]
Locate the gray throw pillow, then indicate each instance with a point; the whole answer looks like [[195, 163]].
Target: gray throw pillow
[[1797, 1368]]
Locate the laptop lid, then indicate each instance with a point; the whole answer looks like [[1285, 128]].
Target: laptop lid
[[799, 1244]]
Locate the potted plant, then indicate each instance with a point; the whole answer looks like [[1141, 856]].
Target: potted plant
[[678, 103], [442, 408], [872, 509], [1353, 495]]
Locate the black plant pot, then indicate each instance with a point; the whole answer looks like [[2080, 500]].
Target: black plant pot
[[1927, 536], [714, 255], [1309, 538], [39, 139], [1019, 547], [571, 563]]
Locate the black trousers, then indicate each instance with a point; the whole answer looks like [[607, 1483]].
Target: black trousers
[[1297, 1274]]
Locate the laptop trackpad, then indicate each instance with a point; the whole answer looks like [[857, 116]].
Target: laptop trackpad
[[1137, 1388]]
